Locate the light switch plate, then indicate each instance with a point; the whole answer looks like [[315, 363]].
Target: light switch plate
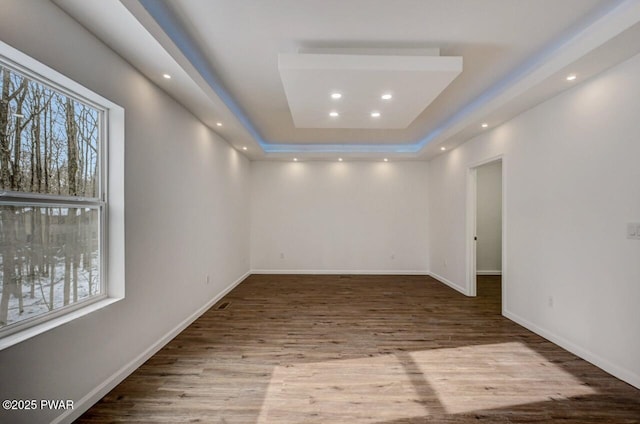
[[631, 230]]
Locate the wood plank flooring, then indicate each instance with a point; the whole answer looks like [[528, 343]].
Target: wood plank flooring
[[363, 349]]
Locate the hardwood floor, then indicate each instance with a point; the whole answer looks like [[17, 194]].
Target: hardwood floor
[[364, 349]]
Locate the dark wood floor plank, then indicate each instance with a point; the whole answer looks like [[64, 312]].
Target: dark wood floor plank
[[364, 349]]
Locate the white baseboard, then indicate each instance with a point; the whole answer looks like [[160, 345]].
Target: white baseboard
[[339, 272], [448, 283], [489, 272], [619, 372], [105, 387]]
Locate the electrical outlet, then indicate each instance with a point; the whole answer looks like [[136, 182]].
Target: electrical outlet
[[281, 255], [550, 301], [393, 256], [444, 263], [632, 230]]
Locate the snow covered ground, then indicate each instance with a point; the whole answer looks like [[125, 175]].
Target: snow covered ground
[[40, 302]]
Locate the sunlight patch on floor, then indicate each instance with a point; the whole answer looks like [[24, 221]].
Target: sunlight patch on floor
[[473, 378], [365, 390], [414, 384]]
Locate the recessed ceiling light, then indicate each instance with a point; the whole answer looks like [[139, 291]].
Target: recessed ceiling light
[[339, 159], [443, 148], [386, 160], [166, 76], [244, 148], [295, 159], [375, 114], [336, 96], [219, 124], [386, 96], [334, 114], [485, 125], [571, 77]]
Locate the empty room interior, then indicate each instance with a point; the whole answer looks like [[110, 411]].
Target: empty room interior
[[322, 211]]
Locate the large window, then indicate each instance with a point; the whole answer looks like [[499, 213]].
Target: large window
[[54, 201]]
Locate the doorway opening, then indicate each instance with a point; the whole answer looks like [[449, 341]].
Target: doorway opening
[[486, 232]]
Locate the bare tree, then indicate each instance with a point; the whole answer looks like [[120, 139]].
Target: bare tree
[[10, 284], [48, 145]]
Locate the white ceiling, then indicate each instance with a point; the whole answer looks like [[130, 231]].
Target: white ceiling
[[223, 56], [412, 82]]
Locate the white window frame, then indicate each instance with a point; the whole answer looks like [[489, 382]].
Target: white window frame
[[111, 172]]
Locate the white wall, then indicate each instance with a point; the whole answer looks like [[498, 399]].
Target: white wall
[[187, 209], [489, 218], [339, 217], [572, 183]]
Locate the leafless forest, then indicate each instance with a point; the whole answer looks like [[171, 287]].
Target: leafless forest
[[49, 146]]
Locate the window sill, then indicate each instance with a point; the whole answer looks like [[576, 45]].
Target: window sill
[[20, 336]]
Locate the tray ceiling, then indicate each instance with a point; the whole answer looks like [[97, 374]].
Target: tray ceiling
[[337, 90], [224, 58]]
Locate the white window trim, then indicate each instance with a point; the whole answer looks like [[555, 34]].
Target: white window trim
[[113, 253]]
